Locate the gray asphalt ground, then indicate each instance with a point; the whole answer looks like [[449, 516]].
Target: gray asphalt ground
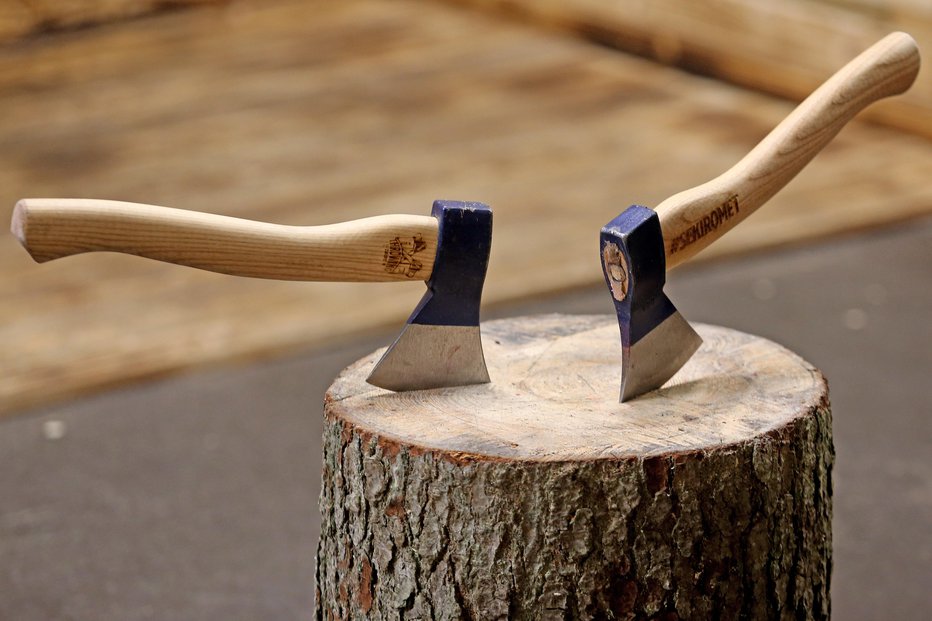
[[196, 497]]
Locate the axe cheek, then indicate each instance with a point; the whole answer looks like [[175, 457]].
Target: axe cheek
[[656, 340], [441, 345]]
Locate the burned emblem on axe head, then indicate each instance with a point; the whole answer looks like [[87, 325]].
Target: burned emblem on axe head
[[399, 256]]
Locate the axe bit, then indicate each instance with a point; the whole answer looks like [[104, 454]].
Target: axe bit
[[638, 246], [440, 345]]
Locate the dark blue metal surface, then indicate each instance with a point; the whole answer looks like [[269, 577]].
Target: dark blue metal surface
[[637, 234], [454, 288]]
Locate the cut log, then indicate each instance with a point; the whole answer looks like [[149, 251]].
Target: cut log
[[539, 496]]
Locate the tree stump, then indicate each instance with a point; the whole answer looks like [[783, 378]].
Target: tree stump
[[539, 496]]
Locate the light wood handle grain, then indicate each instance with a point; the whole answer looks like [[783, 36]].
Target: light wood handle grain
[[381, 248], [693, 219]]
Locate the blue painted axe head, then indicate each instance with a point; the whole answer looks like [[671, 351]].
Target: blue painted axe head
[[440, 346], [655, 339]]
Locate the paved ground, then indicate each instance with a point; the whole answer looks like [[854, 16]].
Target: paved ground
[[195, 497]]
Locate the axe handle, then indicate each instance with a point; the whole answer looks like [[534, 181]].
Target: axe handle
[[381, 248], [693, 219]]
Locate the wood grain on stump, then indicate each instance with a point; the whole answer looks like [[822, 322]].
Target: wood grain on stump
[[539, 496]]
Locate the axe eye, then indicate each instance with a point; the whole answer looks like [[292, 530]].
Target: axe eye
[[616, 267]]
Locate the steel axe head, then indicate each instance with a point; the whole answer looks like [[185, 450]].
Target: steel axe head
[[655, 339], [440, 345]]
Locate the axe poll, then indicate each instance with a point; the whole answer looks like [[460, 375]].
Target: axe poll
[[440, 345], [638, 246]]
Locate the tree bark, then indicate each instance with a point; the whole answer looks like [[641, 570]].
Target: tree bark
[[539, 496]]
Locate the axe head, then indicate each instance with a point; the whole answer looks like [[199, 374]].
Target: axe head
[[655, 339], [440, 345]]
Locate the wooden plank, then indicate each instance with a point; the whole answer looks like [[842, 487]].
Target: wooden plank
[[21, 18], [783, 48], [317, 112]]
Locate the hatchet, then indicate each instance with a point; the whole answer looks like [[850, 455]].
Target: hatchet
[[638, 246], [440, 344]]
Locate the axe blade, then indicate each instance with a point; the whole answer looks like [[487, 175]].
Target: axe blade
[[656, 340], [654, 359], [440, 345]]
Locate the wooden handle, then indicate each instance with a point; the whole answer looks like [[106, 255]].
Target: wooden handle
[[382, 248], [693, 219]]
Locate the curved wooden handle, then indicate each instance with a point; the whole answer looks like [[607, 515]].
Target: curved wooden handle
[[693, 219], [382, 248]]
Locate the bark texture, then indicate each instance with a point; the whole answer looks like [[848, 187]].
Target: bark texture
[[739, 530]]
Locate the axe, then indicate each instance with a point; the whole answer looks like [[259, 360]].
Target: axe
[[638, 246], [440, 344]]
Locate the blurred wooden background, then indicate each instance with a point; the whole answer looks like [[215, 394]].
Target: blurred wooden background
[[558, 114]]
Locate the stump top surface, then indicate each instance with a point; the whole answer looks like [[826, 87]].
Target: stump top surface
[[554, 396]]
